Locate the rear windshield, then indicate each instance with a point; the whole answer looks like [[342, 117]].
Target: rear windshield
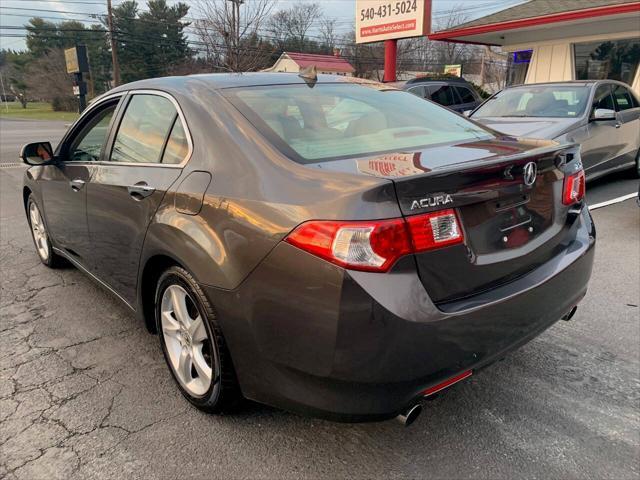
[[331, 121]]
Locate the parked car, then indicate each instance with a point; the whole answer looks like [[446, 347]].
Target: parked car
[[327, 246], [603, 116], [454, 93]]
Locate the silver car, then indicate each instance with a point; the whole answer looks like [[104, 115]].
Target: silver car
[[603, 116]]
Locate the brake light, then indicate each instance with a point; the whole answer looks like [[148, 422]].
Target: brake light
[[574, 188], [376, 245]]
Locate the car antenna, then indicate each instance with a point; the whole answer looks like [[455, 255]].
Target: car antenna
[[309, 75]]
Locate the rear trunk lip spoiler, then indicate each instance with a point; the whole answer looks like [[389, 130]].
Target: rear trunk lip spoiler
[[480, 163]]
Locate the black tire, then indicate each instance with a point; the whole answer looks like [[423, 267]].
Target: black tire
[[223, 395], [637, 169], [52, 260]]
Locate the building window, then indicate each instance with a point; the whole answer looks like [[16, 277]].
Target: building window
[[614, 60], [518, 67]]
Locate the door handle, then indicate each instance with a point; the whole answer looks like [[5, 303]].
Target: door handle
[[77, 184], [140, 190]]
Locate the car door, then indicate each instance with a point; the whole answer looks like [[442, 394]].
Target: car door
[[602, 143], [63, 184], [628, 112], [146, 153]]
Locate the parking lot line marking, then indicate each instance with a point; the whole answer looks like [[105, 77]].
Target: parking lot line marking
[[612, 201]]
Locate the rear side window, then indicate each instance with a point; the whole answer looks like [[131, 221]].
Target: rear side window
[[465, 95], [444, 95], [624, 99], [143, 130], [177, 144], [417, 91], [334, 121]]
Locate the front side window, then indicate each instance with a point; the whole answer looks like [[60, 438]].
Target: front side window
[[565, 101], [86, 147], [603, 99], [465, 95], [143, 129], [611, 60], [334, 121], [623, 98]]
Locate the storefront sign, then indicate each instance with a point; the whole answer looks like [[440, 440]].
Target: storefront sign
[[453, 70], [76, 59], [378, 20]]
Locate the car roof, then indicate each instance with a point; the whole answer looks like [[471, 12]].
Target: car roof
[[218, 81], [418, 80], [569, 82]]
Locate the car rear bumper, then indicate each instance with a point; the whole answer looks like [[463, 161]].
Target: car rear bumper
[[310, 337]]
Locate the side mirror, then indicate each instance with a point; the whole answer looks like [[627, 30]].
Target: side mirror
[[603, 114], [39, 153], [467, 113]]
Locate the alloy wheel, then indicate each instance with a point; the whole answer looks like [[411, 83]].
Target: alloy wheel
[[39, 232], [187, 341]]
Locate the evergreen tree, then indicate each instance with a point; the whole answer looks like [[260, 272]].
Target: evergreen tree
[[152, 43]]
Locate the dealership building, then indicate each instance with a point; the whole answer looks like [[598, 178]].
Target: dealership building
[[555, 40]]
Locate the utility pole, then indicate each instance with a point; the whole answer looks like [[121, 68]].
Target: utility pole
[[482, 74], [235, 32], [114, 49], [4, 94]]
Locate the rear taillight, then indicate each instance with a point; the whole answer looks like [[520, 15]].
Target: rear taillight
[[574, 188], [434, 230], [376, 245]]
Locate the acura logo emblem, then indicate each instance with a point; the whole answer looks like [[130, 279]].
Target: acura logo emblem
[[530, 172]]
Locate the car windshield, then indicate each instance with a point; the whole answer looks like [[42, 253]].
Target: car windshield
[[331, 121], [566, 101]]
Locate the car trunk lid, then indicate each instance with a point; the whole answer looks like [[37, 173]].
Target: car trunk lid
[[510, 226], [511, 213]]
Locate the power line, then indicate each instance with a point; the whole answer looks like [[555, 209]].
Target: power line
[[197, 47], [263, 32], [360, 59]]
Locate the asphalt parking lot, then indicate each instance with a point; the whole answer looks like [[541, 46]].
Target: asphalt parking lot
[[85, 393]]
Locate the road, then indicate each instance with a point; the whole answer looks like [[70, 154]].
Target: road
[[85, 393]]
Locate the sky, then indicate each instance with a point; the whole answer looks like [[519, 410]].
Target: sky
[[15, 13]]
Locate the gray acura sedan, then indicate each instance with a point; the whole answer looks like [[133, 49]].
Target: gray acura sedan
[[325, 245], [603, 116]]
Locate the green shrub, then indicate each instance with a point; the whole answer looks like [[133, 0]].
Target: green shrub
[[481, 91], [64, 104]]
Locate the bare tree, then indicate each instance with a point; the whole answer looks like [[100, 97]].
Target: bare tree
[[451, 52], [290, 26], [494, 69], [366, 58], [48, 80], [228, 31], [328, 32]]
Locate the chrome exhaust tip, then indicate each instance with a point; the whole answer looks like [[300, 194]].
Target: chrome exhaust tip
[[570, 315], [410, 415]]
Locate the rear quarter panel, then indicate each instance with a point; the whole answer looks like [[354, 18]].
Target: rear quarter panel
[[255, 197]]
